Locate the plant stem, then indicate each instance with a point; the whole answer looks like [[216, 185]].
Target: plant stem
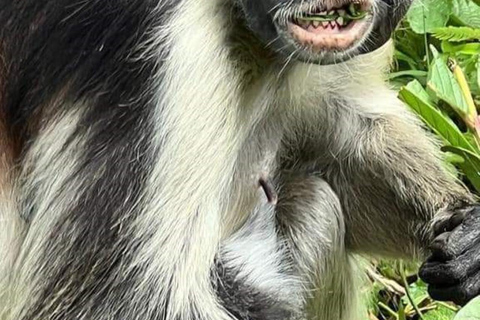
[[388, 309], [446, 305], [407, 290]]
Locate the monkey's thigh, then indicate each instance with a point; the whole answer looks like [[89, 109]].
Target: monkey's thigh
[[310, 217]]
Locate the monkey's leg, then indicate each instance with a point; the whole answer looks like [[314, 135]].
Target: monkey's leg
[[252, 276], [311, 220]]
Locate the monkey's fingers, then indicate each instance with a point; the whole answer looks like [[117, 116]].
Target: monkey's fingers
[[456, 280], [460, 294], [449, 221], [451, 272], [452, 244]]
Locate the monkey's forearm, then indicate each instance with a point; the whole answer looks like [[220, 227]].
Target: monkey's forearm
[[394, 187]]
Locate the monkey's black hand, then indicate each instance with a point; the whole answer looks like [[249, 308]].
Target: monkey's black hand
[[453, 269]]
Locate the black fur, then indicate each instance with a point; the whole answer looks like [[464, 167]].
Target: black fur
[[245, 302], [390, 14], [453, 270], [86, 53], [63, 54]]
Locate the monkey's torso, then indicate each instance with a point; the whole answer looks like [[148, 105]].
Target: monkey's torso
[[144, 143]]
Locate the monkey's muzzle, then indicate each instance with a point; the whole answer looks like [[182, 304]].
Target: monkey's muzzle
[[337, 27]]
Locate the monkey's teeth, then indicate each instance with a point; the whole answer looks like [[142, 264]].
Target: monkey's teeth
[[316, 24], [340, 21], [341, 12], [331, 13], [303, 23], [325, 24], [323, 13]]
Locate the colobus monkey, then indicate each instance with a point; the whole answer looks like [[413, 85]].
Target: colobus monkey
[[207, 159]]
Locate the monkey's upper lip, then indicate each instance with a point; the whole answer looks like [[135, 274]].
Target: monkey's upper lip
[[335, 29]]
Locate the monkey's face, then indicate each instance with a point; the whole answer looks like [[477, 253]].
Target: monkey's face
[[324, 31]]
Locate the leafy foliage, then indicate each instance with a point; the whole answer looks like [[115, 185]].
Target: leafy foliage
[[471, 312], [438, 76], [457, 33]]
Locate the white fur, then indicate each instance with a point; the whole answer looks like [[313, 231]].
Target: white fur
[[216, 132], [11, 232], [52, 197], [200, 152], [195, 165]]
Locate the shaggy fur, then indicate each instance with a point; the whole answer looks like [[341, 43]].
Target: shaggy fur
[[145, 128]]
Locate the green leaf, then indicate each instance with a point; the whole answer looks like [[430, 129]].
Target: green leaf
[[428, 15], [470, 167], [464, 48], [418, 291], [400, 56], [456, 33], [470, 312], [446, 87], [440, 313], [418, 99], [466, 13], [453, 158], [409, 73]]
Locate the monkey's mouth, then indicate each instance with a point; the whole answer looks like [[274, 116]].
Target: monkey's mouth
[[331, 28]]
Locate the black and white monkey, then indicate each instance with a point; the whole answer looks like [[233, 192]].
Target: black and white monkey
[[213, 160]]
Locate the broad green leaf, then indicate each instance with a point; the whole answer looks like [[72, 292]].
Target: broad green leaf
[[428, 15], [418, 291], [464, 48], [440, 313], [467, 13], [470, 167], [443, 83], [453, 158], [470, 312], [418, 99]]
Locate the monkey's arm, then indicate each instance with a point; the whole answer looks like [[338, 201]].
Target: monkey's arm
[[392, 182]]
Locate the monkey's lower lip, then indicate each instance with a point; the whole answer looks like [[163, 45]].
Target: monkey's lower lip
[[330, 38]]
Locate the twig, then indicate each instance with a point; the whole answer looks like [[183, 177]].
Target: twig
[[391, 285], [407, 290], [388, 309]]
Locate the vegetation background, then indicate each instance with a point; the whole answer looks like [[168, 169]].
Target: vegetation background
[[437, 73]]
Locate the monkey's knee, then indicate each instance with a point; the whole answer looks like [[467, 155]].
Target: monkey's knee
[[250, 276], [311, 203], [310, 217]]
